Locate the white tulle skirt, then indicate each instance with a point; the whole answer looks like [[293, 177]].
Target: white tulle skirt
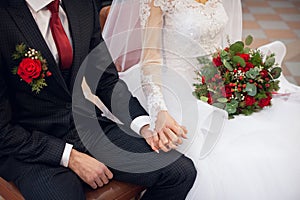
[[248, 157]]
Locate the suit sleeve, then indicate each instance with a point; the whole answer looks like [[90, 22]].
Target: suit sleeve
[[20, 143], [111, 90]]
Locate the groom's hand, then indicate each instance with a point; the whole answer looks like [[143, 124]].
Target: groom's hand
[[90, 170], [151, 137]]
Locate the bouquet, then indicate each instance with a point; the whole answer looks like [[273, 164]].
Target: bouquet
[[238, 79]]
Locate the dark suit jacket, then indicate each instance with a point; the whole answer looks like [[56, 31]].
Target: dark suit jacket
[[35, 127]]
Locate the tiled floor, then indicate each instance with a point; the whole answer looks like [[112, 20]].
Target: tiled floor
[[270, 20]]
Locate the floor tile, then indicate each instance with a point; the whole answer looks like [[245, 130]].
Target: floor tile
[[281, 4], [256, 33], [291, 17], [261, 10], [276, 20], [293, 25], [267, 17], [279, 25], [250, 25], [297, 32], [248, 17], [280, 34], [286, 10]]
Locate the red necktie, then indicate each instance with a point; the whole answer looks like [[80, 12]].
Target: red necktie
[[61, 40]]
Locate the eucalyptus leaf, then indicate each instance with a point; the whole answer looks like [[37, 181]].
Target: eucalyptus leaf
[[252, 73], [203, 98], [227, 65], [248, 40], [222, 100], [238, 59], [231, 107], [224, 54], [251, 89], [219, 105], [247, 50], [276, 72], [270, 62], [237, 46]]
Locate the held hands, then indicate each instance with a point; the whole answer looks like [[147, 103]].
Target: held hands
[[168, 133], [90, 170]]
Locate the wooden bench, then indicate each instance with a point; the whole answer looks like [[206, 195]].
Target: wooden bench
[[115, 190]]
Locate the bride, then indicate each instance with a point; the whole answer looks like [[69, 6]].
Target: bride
[[155, 44]]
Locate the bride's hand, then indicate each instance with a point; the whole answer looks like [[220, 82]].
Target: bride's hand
[[169, 131]]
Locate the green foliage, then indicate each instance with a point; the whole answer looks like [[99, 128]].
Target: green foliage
[[252, 73], [251, 89], [275, 72], [237, 47], [248, 40], [14, 70], [256, 58], [238, 60], [270, 61], [231, 106], [38, 84]]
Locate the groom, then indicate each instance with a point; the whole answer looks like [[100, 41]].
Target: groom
[[40, 150]]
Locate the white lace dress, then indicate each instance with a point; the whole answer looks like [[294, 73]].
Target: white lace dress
[[256, 156]]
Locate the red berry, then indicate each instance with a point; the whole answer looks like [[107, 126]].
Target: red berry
[[48, 73]]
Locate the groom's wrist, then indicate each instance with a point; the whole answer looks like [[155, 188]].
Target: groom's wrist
[[139, 122], [66, 155]]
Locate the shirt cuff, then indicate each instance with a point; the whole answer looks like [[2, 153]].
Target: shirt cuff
[[66, 155], [139, 122]]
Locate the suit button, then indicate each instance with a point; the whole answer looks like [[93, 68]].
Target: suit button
[[69, 106]]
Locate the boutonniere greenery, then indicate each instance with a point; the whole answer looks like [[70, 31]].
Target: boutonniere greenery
[[32, 67]]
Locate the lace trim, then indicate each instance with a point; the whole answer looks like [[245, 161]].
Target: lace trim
[[155, 100], [144, 12], [169, 6]]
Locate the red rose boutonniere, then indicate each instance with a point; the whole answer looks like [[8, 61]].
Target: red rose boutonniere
[[32, 67]]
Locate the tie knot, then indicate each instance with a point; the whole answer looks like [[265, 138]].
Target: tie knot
[[53, 6]]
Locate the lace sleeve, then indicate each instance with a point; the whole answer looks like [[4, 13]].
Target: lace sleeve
[[152, 61], [147, 5]]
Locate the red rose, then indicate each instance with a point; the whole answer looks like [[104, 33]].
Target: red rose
[[203, 80], [210, 100], [264, 73], [29, 69], [245, 56], [228, 91], [249, 100], [265, 102], [249, 64], [217, 61]]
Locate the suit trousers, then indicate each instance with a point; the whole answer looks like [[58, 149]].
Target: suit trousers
[[173, 181]]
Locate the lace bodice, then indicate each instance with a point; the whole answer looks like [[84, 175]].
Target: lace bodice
[[189, 29], [203, 23]]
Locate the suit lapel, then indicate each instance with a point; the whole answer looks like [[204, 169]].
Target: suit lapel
[[34, 39], [72, 12]]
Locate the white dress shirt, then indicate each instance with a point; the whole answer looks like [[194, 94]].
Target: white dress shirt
[[42, 16]]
